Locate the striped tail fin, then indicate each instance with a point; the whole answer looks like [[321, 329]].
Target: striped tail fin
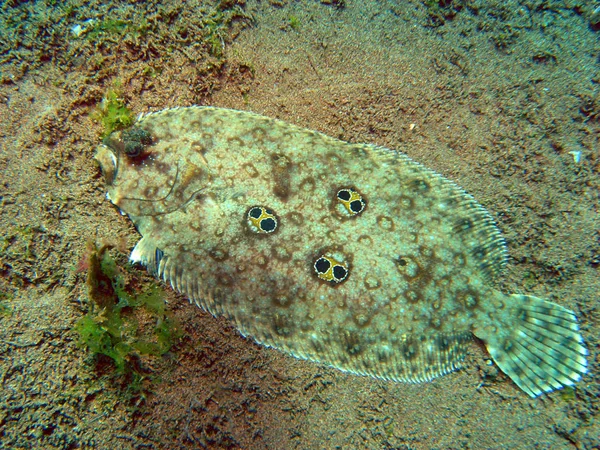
[[540, 347]]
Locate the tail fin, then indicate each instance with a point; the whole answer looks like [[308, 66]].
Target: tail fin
[[542, 350]]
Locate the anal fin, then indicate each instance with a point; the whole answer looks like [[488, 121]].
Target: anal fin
[[416, 359]]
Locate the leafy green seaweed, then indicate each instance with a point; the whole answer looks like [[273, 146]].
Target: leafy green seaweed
[[111, 326], [112, 112]]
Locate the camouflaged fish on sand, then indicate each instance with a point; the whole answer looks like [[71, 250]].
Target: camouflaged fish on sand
[[345, 254]]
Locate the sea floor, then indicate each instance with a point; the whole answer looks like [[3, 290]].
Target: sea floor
[[500, 96]]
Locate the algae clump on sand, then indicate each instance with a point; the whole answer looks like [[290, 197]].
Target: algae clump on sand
[[111, 327], [112, 112]]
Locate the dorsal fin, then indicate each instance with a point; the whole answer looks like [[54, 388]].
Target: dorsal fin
[[488, 246]]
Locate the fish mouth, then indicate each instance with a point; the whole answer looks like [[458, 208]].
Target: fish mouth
[[108, 163]]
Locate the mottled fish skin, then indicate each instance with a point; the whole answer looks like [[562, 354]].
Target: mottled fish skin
[[350, 255]]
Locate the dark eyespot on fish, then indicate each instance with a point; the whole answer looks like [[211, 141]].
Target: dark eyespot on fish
[[262, 220], [351, 201], [331, 268], [410, 276]]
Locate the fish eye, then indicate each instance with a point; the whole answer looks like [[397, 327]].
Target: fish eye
[[357, 206], [134, 141], [133, 149], [255, 213]]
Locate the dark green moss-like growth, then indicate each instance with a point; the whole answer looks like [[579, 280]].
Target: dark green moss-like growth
[[441, 11]]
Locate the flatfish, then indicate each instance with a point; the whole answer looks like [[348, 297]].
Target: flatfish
[[350, 255]]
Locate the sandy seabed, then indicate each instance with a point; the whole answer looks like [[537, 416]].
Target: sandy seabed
[[501, 97]]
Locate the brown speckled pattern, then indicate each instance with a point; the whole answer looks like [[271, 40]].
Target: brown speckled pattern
[[421, 256]]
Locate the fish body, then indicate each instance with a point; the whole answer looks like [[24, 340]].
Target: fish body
[[351, 255]]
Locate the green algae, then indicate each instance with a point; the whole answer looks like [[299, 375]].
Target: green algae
[[294, 22], [112, 326], [112, 111], [216, 24], [5, 308], [109, 26], [567, 394]]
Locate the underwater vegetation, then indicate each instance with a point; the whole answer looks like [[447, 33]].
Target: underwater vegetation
[[216, 23], [83, 39], [4, 304], [294, 22], [112, 328], [114, 27], [441, 11], [112, 112]]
